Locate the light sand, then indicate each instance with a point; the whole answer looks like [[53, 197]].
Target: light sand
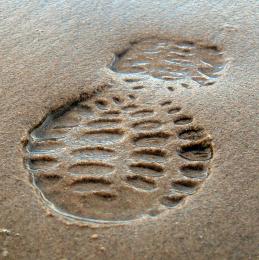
[[56, 52]]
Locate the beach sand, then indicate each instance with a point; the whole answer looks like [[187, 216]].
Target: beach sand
[[55, 53]]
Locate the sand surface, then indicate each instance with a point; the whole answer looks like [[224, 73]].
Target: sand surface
[[194, 64]]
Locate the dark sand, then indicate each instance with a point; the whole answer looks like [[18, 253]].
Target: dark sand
[[204, 60]]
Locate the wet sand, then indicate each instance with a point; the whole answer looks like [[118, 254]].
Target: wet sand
[[181, 183]]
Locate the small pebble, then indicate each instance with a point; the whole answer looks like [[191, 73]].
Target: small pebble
[[5, 231], [94, 236], [102, 248], [5, 253]]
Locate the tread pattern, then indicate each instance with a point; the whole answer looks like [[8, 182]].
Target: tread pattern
[[170, 60], [112, 158]]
